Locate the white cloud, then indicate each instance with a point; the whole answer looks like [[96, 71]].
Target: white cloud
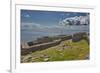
[[27, 15], [35, 27], [77, 20], [29, 26]]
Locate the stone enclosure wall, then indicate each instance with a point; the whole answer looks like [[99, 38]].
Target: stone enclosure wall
[[46, 42], [39, 47]]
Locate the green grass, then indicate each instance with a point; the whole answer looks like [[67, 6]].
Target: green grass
[[65, 51]]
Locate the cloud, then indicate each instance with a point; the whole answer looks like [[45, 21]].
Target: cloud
[[62, 25], [33, 25], [30, 26], [26, 15], [76, 20]]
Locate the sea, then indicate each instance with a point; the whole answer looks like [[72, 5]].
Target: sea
[[32, 33]]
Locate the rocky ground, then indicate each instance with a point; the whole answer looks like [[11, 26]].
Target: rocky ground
[[65, 51]]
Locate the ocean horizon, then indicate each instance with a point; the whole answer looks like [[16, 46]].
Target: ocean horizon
[[32, 33]]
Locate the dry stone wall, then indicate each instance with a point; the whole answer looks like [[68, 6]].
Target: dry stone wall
[[45, 42]]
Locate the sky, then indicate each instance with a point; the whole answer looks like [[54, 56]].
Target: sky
[[47, 18], [36, 24]]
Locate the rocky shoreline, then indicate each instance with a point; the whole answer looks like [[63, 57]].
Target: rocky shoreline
[[46, 42]]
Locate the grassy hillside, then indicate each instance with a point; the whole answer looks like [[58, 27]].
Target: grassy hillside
[[66, 50]]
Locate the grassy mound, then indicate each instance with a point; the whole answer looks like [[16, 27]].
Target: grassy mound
[[66, 50]]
